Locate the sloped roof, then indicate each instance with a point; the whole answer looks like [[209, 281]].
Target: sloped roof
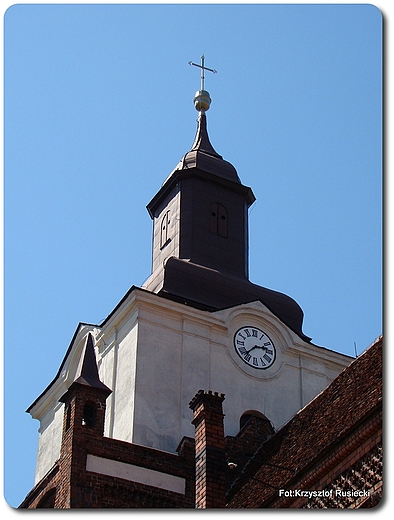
[[202, 155], [315, 429], [89, 373], [211, 290], [202, 161]]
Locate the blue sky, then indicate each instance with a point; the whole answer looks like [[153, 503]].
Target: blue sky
[[98, 111]]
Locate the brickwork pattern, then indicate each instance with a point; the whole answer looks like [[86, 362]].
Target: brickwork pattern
[[70, 485], [364, 475], [210, 450], [328, 471]]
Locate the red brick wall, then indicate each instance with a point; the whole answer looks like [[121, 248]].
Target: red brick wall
[[78, 488], [92, 490]]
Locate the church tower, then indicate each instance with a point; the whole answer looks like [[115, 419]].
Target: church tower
[[198, 322], [200, 232], [200, 213]]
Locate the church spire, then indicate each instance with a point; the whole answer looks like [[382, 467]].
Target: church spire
[[202, 155], [202, 102], [200, 212], [201, 141], [89, 372]]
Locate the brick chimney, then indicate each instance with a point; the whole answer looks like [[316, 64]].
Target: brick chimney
[[210, 450]]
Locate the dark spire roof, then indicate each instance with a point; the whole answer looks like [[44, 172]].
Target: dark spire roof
[[201, 141], [203, 156], [89, 372], [200, 160]]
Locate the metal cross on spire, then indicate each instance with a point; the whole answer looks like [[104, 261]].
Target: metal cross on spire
[[203, 68]]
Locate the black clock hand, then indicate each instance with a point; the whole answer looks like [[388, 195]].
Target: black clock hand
[[256, 346]]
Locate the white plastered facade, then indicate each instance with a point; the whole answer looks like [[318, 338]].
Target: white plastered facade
[[155, 354]]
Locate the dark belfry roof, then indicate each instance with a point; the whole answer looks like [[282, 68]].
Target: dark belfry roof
[[202, 161], [203, 156], [211, 290], [89, 372], [201, 141]]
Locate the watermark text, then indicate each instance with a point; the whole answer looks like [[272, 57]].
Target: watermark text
[[323, 493]]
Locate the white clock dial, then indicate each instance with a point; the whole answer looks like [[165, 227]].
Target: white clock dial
[[254, 347]]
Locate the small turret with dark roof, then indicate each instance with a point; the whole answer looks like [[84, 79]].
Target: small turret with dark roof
[[89, 375], [84, 406]]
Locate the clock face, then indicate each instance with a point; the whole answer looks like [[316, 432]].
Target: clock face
[[254, 347]]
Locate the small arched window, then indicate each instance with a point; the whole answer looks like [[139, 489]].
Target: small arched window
[[48, 500], [218, 220], [89, 414], [165, 230], [264, 423]]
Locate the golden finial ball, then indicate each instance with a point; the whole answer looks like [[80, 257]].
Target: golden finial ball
[[202, 100]]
